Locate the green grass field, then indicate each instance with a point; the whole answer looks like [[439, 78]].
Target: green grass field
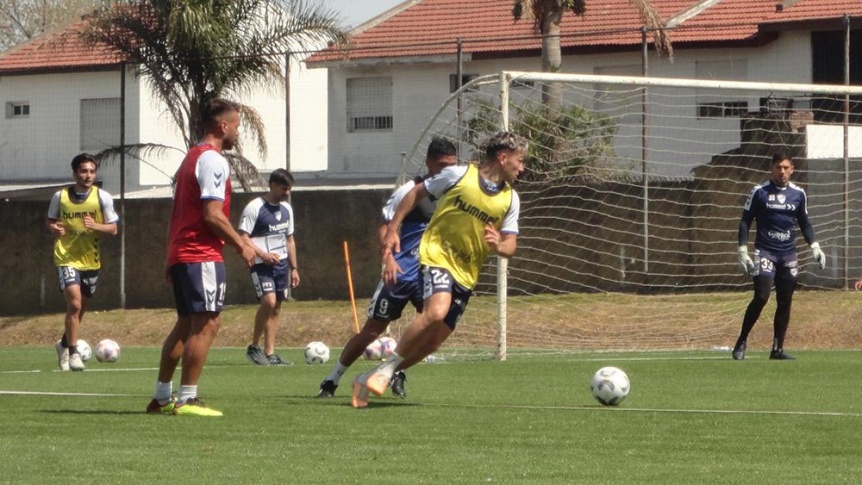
[[692, 417]]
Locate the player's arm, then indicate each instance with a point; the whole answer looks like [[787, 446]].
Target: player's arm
[[502, 243], [291, 256], [267, 258], [52, 222], [109, 216], [391, 241], [808, 233], [109, 229], [742, 257], [215, 219]]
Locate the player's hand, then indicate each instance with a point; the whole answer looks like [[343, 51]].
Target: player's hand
[[858, 284], [391, 244], [294, 278], [390, 271], [58, 229], [745, 261], [492, 236], [89, 222], [247, 253], [271, 258], [818, 255]]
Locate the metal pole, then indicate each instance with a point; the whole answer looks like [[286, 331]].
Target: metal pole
[[502, 262], [459, 72], [644, 149], [122, 224], [287, 111], [846, 151]]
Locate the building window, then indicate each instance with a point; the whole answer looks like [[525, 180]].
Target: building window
[[18, 109], [465, 78], [100, 124], [369, 104], [711, 104]]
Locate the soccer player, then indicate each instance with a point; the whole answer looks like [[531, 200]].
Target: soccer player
[[267, 224], [777, 205], [200, 226], [389, 301], [477, 215], [78, 216]]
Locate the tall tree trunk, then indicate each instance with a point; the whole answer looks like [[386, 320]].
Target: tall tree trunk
[[552, 55]]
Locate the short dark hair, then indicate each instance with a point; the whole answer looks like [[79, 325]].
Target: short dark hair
[[282, 177], [441, 147], [214, 108], [83, 157], [780, 157], [504, 140]]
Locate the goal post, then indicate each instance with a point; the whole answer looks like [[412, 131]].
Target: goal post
[[631, 201]]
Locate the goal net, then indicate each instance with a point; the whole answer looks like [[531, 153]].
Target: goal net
[[631, 202]]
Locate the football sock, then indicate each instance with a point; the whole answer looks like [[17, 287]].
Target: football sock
[[391, 364], [64, 342], [73, 349], [187, 392], [337, 372], [163, 392]]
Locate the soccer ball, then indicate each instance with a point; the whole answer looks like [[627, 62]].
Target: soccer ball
[[107, 351], [84, 350], [610, 386], [374, 351], [388, 345], [316, 353]]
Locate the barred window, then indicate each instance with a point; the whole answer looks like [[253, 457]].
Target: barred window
[[100, 124], [369, 104]]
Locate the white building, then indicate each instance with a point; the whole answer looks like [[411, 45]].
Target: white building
[[62, 97], [402, 64]]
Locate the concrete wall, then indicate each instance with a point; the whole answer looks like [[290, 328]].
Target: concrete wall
[[324, 219]]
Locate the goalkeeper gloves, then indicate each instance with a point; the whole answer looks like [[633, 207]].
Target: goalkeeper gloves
[[745, 261], [818, 255]]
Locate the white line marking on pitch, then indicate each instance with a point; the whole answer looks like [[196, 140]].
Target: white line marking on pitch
[[123, 369], [647, 410], [85, 394]]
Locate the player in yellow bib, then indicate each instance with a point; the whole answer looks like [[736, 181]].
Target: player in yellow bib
[[78, 217], [476, 216]]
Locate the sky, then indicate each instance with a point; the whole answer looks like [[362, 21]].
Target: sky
[[355, 12]]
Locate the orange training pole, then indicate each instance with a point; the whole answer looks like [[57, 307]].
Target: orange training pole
[[350, 287]]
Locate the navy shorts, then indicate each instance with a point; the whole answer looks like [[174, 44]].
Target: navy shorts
[[271, 279], [388, 302], [775, 265], [87, 279], [439, 280], [198, 287]]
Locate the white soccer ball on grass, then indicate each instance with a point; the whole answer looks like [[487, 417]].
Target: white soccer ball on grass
[[387, 346], [610, 386], [84, 350], [374, 351], [107, 351], [316, 353]]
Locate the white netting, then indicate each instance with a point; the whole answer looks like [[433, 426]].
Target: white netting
[[632, 199]]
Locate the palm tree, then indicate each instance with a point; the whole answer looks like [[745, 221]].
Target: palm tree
[[547, 16], [191, 51]]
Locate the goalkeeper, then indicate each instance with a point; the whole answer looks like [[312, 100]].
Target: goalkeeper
[[777, 205]]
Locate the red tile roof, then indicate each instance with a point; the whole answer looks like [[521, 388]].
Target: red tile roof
[[816, 10], [61, 50], [486, 27], [431, 27]]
